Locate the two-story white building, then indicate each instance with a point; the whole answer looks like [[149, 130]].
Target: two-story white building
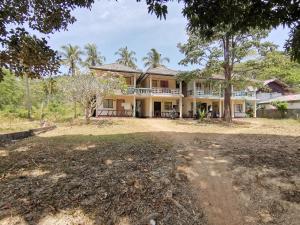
[[157, 92]]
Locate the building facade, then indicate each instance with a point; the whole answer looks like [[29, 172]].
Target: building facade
[[158, 93]]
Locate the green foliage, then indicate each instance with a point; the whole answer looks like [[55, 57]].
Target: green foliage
[[281, 107], [154, 59], [42, 16], [126, 57], [71, 57], [202, 115], [11, 92], [94, 58], [238, 16]]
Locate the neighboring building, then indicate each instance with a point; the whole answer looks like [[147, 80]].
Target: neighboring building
[[156, 93], [272, 89], [266, 109]]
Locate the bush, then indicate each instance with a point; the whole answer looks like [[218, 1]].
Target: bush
[[281, 107]]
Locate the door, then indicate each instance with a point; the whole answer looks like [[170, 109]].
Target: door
[[120, 107], [157, 109], [139, 108]]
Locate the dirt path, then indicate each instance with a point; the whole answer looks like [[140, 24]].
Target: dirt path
[[208, 173]]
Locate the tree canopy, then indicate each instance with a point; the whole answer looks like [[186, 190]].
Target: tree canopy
[[154, 59], [126, 57], [238, 16], [43, 16], [94, 58], [71, 57]]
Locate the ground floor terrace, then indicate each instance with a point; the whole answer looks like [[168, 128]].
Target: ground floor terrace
[[215, 107], [171, 106], [141, 106]]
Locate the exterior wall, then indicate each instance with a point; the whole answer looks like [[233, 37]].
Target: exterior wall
[[291, 105], [262, 96], [171, 81], [129, 100]]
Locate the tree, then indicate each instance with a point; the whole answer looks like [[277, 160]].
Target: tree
[[31, 58], [154, 59], [42, 16], [94, 58], [238, 16], [88, 90], [275, 64], [71, 57], [281, 107], [126, 57], [220, 53]]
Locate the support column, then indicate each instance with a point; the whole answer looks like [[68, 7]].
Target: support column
[[244, 106], [180, 107], [134, 107], [254, 109], [150, 80], [194, 89], [194, 106], [150, 107], [180, 87], [232, 109], [220, 108], [134, 81]]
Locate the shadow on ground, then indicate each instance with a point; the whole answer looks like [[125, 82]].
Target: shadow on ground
[[128, 179]]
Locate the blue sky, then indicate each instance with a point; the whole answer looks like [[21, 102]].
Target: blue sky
[[111, 25]]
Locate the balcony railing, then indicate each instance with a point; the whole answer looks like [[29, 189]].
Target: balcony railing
[[217, 94], [165, 91], [244, 94], [204, 93], [156, 91]]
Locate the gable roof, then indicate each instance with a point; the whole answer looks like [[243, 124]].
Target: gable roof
[[266, 82], [284, 98], [162, 70], [116, 67]]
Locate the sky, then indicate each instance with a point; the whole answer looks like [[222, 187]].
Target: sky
[[114, 24]]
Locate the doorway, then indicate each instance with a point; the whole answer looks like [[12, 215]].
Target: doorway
[[157, 109], [139, 108], [120, 107]]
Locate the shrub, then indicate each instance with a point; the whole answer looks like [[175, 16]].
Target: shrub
[[281, 107]]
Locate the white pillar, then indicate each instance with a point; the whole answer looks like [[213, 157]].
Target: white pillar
[[180, 87], [232, 109], [180, 107], [150, 80], [134, 81], [244, 106], [254, 109], [134, 106], [194, 89], [194, 106], [150, 107], [220, 108]]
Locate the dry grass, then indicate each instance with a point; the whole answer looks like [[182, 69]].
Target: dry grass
[[8, 124], [129, 171]]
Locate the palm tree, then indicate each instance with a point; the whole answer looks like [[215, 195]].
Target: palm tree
[[71, 57], [127, 57], [94, 58], [154, 59]]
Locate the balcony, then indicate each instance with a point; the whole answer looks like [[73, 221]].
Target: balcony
[[205, 94], [165, 91], [156, 91], [244, 94]]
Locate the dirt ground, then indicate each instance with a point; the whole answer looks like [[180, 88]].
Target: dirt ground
[[154, 171]]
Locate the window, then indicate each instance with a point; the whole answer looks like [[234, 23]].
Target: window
[[128, 80], [108, 103], [168, 106], [164, 84], [154, 83], [238, 108], [198, 85]]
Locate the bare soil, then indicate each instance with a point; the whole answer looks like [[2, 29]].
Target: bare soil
[[154, 172]]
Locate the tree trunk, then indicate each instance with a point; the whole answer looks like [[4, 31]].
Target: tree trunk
[[228, 86], [87, 115], [75, 110], [28, 97]]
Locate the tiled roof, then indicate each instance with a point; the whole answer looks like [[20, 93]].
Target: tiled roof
[[266, 82], [162, 70], [284, 98], [116, 67]]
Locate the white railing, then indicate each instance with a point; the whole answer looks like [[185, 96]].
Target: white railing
[[143, 91], [243, 94], [165, 91], [204, 93]]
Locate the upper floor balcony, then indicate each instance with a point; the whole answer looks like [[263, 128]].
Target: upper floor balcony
[[199, 93], [154, 91]]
